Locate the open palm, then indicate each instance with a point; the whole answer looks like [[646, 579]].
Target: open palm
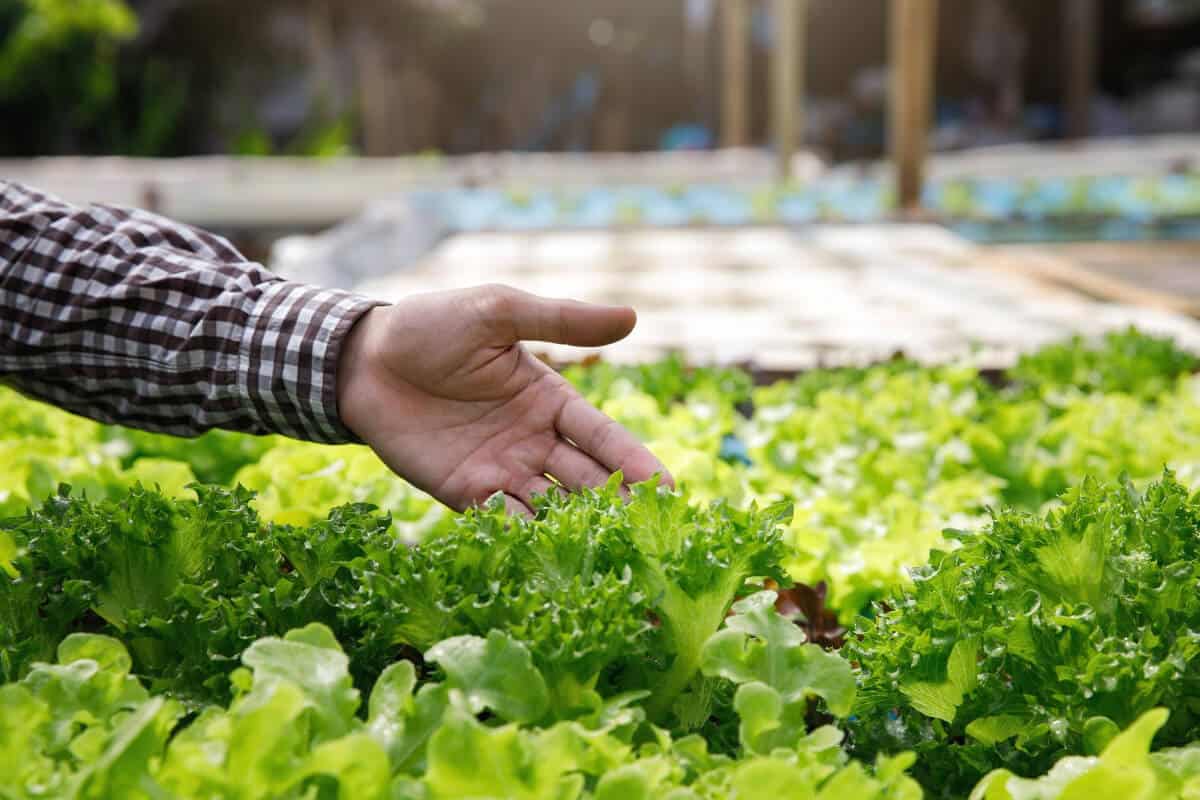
[[441, 388]]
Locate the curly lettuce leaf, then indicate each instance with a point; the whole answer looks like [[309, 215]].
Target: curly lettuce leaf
[[1036, 636]]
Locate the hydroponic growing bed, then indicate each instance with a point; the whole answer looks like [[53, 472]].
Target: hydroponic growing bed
[[874, 583], [1113, 206]]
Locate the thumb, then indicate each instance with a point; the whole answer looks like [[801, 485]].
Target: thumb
[[528, 317]]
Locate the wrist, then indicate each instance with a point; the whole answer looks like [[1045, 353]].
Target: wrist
[[354, 370]]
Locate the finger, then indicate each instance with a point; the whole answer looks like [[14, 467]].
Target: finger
[[575, 469], [521, 316], [516, 508], [607, 442], [535, 486]]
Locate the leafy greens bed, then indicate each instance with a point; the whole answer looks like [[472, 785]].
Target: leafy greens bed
[[1010, 576]]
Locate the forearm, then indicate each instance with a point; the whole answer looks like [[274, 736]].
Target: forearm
[[126, 317]]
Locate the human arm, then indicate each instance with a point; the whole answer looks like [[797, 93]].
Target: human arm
[[127, 317]]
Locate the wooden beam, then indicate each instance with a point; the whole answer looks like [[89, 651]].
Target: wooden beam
[[1065, 266], [913, 36], [735, 94], [1081, 28], [788, 80]]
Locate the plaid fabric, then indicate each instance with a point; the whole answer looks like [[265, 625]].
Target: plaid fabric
[[127, 317]]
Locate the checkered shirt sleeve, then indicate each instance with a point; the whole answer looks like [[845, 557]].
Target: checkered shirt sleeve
[[126, 317]]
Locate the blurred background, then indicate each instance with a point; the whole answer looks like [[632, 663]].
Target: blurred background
[[393, 77], [389, 145]]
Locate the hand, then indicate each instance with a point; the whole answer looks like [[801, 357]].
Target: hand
[[441, 388]]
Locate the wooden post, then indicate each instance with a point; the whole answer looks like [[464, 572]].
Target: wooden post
[[1081, 26], [697, 58], [913, 34], [735, 94], [375, 89], [788, 80], [695, 47]]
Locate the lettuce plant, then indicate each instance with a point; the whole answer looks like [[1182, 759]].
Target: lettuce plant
[[1031, 639], [1124, 770], [297, 728], [603, 593]]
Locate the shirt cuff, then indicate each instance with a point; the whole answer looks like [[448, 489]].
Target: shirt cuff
[[289, 357]]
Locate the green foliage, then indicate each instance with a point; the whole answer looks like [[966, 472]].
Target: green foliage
[[1031, 639], [190, 583], [578, 586], [1125, 770], [878, 461], [684, 414], [84, 727], [668, 381], [1128, 362], [47, 33], [777, 674], [561, 584], [293, 731], [620, 646], [215, 457], [325, 140], [144, 567], [41, 447], [298, 482], [328, 139], [58, 65], [252, 142]]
